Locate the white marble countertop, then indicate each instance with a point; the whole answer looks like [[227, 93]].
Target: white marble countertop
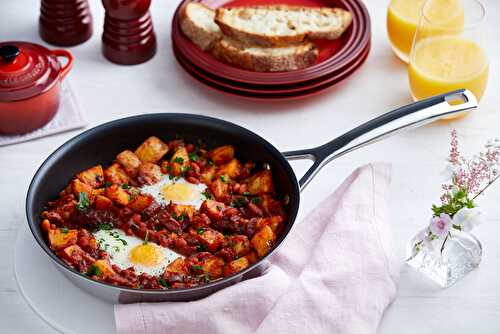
[[106, 91]]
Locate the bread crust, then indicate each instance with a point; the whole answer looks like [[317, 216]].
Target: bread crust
[[268, 40], [235, 53], [205, 39]]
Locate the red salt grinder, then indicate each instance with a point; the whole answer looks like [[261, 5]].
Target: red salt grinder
[[128, 36], [65, 22]]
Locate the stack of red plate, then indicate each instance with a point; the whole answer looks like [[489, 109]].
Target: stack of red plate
[[338, 59]]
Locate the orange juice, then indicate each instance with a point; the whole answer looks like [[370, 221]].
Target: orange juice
[[403, 17], [444, 63]]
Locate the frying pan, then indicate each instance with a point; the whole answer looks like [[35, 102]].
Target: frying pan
[[100, 145]]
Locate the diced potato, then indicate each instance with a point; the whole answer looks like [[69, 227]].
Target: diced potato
[[117, 194], [150, 173], [208, 174], [46, 226], [260, 183], [211, 238], [80, 187], [151, 150], [213, 266], [219, 189], [129, 161], [236, 266], [177, 267], [94, 176], [232, 169], [140, 202], [105, 268], [240, 244], [102, 202], [274, 222], [263, 240], [179, 162], [180, 210], [212, 209], [116, 175], [252, 257], [221, 154], [271, 206], [61, 238]]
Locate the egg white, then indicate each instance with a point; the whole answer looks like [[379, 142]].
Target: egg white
[[118, 245], [155, 191]]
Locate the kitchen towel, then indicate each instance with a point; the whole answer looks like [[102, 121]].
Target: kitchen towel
[[68, 117], [336, 272]]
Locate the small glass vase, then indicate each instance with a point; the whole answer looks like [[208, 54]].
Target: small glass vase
[[445, 263]]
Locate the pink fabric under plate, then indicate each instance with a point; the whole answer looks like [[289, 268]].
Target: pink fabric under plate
[[335, 273]]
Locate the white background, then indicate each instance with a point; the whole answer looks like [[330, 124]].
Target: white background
[[107, 91]]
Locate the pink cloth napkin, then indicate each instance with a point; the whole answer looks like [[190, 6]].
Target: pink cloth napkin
[[335, 273]]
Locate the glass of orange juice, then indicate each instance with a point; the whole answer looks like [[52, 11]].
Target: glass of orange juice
[[445, 56], [403, 17]]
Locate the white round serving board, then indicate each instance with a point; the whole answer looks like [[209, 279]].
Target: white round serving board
[[53, 297]]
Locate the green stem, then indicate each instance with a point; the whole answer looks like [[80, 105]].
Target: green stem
[[444, 242], [489, 184]]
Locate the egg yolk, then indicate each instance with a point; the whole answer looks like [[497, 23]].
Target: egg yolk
[[178, 192], [146, 254]]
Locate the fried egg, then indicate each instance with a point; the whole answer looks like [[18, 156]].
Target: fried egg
[[129, 251], [176, 190]]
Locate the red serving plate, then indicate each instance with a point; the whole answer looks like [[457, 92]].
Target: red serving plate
[[306, 91], [333, 54], [324, 82]]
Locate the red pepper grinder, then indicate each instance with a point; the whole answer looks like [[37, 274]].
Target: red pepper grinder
[[128, 36], [65, 22]]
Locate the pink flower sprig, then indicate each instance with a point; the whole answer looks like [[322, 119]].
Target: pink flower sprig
[[468, 178]]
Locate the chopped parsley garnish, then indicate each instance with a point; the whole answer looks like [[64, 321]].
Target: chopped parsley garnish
[[125, 186], [64, 230], [179, 160], [146, 238], [207, 194], [94, 271], [162, 282], [193, 157], [196, 267], [171, 177], [205, 277], [210, 162], [256, 200], [201, 248], [83, 201], [116, 248], [223, 178], [246, 193], [123, 242], [200, 231], [103, 226], [239, 201], [108, 184]]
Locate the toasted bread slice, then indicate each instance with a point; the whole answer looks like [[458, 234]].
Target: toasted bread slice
[[279, 25], [262, 59], [197, 22]]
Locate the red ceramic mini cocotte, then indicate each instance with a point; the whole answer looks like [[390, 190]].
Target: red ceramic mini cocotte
[[30, 81]]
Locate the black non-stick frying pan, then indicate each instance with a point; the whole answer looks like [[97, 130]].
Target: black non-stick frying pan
[[100, 145]]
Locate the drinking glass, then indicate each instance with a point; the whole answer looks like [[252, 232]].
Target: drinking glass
[[447, 51], [402, 21]]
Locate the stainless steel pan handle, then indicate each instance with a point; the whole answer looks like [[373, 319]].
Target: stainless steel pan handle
[[404, 118]]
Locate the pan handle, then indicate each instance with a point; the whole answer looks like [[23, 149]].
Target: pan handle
[[407, 117]]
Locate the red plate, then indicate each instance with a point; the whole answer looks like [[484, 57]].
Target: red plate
[[272, 95], [333, 54], [273, 90]]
